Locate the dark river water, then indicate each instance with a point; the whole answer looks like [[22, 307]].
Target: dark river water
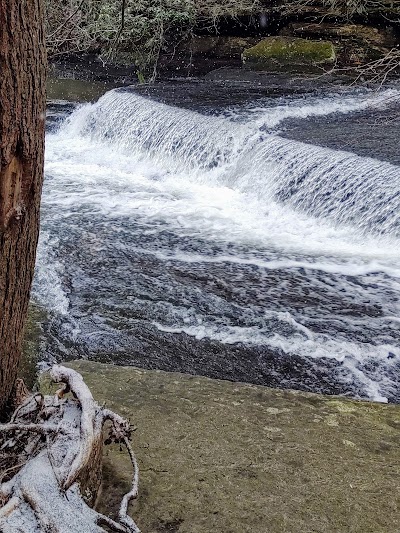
[[220, 240]]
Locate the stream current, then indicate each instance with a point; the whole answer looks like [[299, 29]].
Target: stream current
[[211, 244]]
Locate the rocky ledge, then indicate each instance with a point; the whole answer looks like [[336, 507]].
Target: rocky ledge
[[217, 456]]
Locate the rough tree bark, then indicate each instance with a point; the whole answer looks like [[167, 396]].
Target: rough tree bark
[[51, 450], [22, 114]]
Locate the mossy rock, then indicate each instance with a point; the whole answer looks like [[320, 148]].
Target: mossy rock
[[286, 51], [354, 43], [31, 345], [222, 457]]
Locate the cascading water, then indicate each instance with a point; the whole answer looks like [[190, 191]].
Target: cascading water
[[319, 182], [212, 245]]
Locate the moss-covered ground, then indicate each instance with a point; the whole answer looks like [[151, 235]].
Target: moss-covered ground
[[225, 457]]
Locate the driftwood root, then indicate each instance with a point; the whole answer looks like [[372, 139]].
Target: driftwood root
[[49, 445]]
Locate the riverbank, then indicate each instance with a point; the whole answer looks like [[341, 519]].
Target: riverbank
[[186, 38], [226, 457]]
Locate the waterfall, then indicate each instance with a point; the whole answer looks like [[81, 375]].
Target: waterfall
[[211, 244], [320, 182]]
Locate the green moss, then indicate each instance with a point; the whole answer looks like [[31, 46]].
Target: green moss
[[226, 457], [285, 50], [31, 345]]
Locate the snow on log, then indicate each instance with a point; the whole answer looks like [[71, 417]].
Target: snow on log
[[50, 454]]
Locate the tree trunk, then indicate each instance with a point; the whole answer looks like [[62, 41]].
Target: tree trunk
[[22, 121]]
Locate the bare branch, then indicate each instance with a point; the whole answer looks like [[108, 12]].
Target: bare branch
[[35, 428]]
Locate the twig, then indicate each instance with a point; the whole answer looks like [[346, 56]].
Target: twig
[[66, 21], [107, 521], [9, 507], [36, 428], [132, 494]]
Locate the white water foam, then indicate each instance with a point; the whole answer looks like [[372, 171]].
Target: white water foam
[[342, 268], [304, 343], [128, 159], [318, 182], [48, 287]]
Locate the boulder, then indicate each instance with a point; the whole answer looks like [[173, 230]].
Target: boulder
[[354, 43], [233, 47], [287, 52], [374, 36], [218, 46], [217, 456], [200, 45]]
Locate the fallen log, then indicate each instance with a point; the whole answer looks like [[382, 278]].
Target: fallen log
[[50, 454]]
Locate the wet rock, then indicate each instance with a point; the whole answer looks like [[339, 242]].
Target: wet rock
[[204, 53], [202, 45], [217, 456], [220, 47], [288, 51], [355, 43]]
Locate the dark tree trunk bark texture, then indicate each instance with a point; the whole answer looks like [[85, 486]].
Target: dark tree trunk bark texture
[[22, 121]]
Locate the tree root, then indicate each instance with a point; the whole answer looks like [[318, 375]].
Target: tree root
[[54, 442]]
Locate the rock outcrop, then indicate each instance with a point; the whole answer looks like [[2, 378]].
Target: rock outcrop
[[288, 52], [355, 43], [217, 456]]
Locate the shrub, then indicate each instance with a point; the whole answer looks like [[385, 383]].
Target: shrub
[[131, 30]]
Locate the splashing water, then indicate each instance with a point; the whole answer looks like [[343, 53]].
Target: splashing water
[[165, 225]]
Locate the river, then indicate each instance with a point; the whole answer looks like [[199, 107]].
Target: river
[[205, 240]]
